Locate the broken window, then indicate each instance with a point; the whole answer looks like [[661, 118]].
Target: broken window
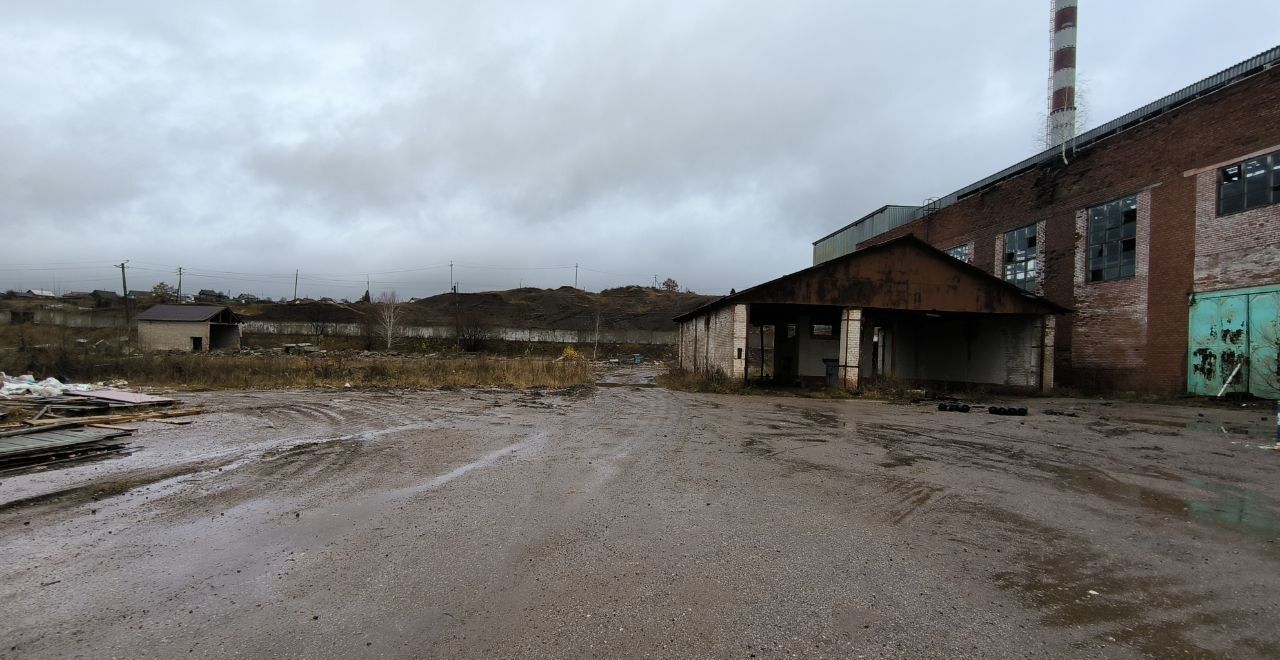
[[1249, 184], [1020, 257], [962, 252], [1113, 239]]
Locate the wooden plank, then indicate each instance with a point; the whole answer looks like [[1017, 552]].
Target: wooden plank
[[37, 442], [124, 397]]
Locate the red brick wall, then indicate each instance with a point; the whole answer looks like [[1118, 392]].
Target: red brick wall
[[1154, 157], [1238, 250]]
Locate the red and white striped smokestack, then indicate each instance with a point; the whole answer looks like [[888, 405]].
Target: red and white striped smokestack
[[1062, 84]]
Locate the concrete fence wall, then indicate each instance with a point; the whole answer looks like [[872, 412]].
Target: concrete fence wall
[[77, 318], [69, 317], [654, 337]]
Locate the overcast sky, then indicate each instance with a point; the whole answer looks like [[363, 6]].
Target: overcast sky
[[708, 141]]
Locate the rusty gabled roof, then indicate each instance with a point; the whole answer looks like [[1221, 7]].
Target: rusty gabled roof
[[190, 314], [903, 274]]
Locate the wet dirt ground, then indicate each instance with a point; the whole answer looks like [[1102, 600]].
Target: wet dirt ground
[[632, 521]]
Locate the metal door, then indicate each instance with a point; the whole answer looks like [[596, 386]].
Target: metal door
[[1264, 339], [1218, 344]]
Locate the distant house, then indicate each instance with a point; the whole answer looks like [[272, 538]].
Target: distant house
[[77, 296], [247, 299], [210, 296], [41, 293], [195, 328], [103, 298], [143, 296]]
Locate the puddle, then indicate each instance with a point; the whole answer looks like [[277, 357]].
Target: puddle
[[637, 385], [1210, 427], [812, 417], [1240, 509], [901, 460], [1076, 587], [531, 444], [1228, 429], [1093, 481]]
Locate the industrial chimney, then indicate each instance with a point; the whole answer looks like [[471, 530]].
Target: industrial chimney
[[1062, 84]]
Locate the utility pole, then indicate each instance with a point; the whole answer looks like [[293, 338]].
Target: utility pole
[[655, 281], [575, 276], [179, 284], [124, 286], [295, 285], [595, 345], [451, 286]]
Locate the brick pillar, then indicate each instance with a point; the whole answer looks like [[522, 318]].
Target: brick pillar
[[850, 347], [739, 338], [1048, 332]]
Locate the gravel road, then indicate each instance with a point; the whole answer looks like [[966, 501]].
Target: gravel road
[[631, 521]]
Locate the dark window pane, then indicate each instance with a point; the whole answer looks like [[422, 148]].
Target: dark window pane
[[1231, 190], [1113, 233], [1257, 183], [1275, 177]]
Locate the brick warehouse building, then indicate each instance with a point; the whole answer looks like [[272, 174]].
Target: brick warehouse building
[[1154, 239], [1160, 231]]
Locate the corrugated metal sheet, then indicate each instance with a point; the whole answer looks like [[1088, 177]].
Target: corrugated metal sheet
[[1146, 113], [845, 240]]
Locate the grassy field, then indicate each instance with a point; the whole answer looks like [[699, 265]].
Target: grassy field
[[55, 352]]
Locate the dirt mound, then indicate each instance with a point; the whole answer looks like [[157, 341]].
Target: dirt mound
[[565, 308]]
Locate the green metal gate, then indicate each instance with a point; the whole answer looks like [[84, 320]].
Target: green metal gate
[[1233, 336]]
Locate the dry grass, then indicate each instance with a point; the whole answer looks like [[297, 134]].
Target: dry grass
[[44, 351], [186, 371], [693, 381]]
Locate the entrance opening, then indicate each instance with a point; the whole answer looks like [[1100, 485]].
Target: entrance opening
[[223, 337], [197, 344]]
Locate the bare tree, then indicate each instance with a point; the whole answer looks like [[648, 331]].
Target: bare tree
[[472, 334], [388, 320], [323, 320], [163, 293], [670, 284]]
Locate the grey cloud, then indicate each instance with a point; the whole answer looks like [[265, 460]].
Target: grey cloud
[[710, 141]]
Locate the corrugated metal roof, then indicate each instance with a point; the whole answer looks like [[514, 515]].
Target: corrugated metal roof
[[1223, 78], [187, 313], [846, 239]]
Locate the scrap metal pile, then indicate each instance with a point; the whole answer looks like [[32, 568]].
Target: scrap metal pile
[[51, 424]]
